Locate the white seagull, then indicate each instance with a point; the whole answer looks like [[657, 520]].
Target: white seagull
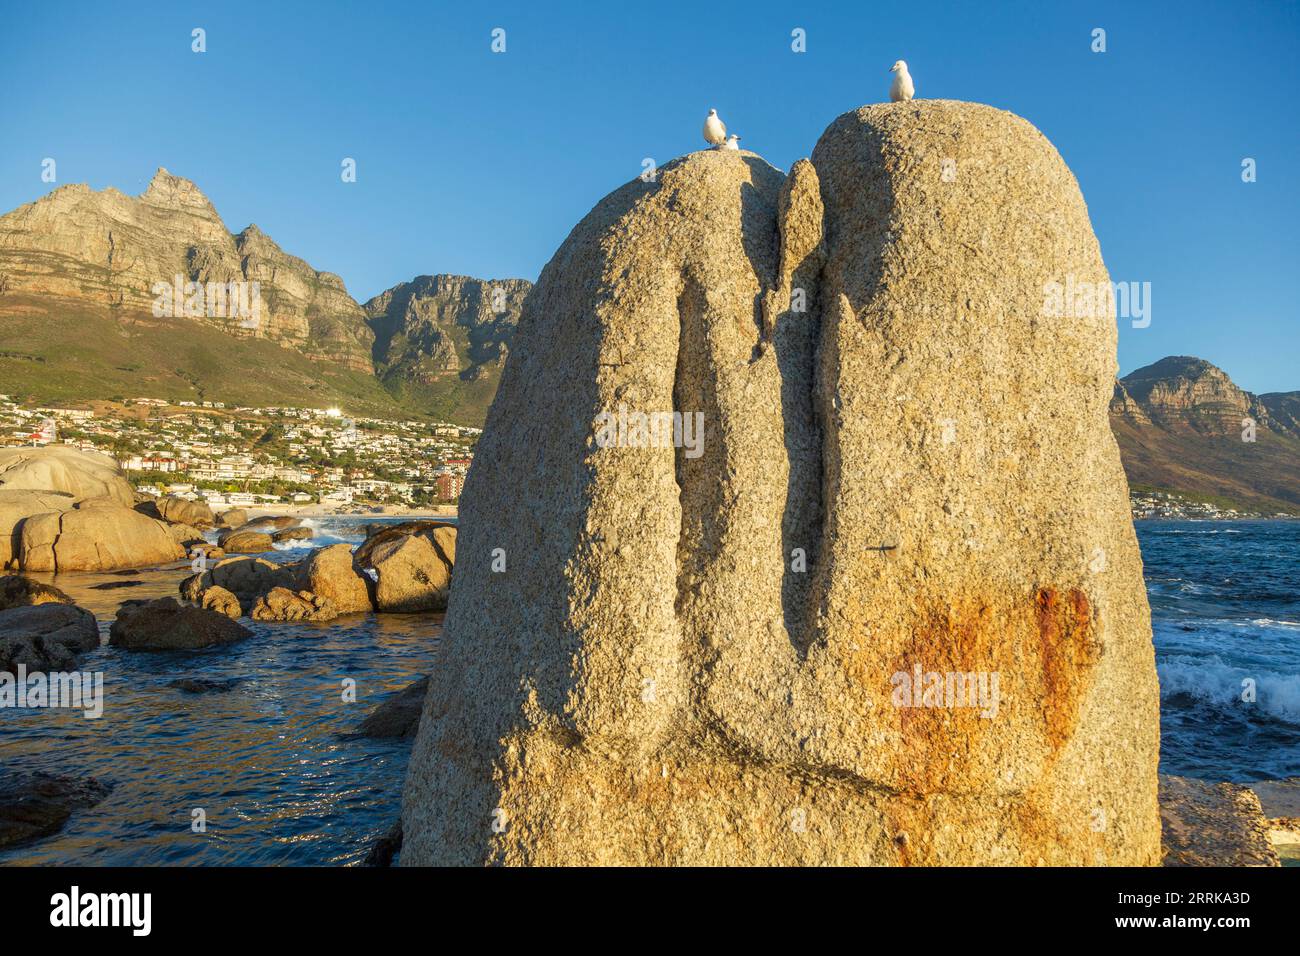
[[715, 131], [901, 90], [733, 142]]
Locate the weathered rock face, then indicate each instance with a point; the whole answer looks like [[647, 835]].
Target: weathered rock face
[[246, 578], [165, 625], [15, 508], [98, 535], [443, 325], [1213, 824], [109, 249], [222, 601], [399, 715], [64, 470], [281, 604], [234, 518], [704, 655]]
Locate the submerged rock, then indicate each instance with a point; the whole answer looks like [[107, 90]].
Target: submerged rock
[[696, 644], [36, 805], [166, 625], [399, 715]]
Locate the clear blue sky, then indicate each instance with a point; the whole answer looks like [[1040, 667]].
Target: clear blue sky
[[480, 163]]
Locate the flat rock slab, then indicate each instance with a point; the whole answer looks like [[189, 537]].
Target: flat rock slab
[[1213, 824], [1280, 801], [35, 805]]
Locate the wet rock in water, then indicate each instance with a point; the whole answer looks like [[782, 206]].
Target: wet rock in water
[[98, 535], [36, 805], [166, 625], [293, 534], [412, 576], [203, 685], [333, 573], [1213, 824], [234, 518], [45, 637], [187, 536], [386, 847], [673, 646], [1280, 802], [115, 585], [246, 578], [281, 604], [246, 542], [217, 598], [399, 715], [19, 591]]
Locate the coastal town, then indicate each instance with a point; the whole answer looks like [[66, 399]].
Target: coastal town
[[257, 457]]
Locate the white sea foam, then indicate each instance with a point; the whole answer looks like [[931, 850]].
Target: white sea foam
[[1211, 681]]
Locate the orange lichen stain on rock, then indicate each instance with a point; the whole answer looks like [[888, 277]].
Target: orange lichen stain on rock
[[1069, 651]]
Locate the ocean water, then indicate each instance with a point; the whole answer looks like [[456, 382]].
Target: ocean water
[[1225, 612], [272, 766]]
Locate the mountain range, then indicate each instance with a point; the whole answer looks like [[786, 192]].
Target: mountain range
[[86, 309], [1182, 425], [81, 272]]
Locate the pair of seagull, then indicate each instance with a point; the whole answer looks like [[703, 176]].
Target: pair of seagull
[[715, 131]]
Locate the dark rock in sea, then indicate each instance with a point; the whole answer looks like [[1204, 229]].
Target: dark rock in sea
[[35, 805], [399, 716], [18, 591], [166, 625], [386, 847], [293, 534], [202, 685], [114, 585], [45, 637]]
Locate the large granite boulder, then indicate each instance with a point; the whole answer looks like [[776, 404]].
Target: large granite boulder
[[166, 625], [176, 510], [98, 535], [333, 574], [45, 637], [246, 577], [15, 508], [410, 575], [246, 542], [64, 469], [889, 610], [379, 534], [234, 518]]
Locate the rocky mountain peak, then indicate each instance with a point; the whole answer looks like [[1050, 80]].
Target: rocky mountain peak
[[175, 192]]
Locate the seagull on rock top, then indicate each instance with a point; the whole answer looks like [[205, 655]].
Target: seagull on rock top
[[901, 90], [733, 142], [715, 131]]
